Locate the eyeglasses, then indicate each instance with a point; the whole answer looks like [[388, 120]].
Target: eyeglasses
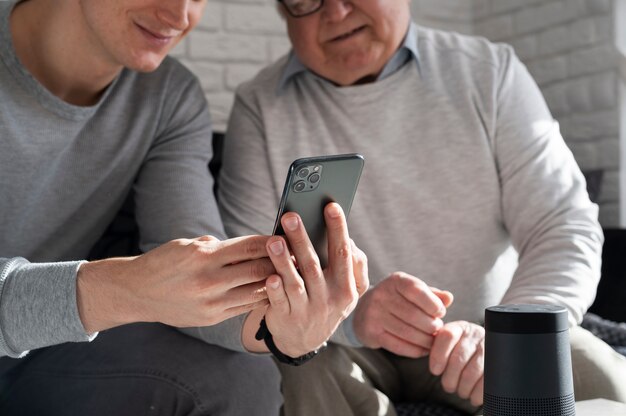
[[301, 8]]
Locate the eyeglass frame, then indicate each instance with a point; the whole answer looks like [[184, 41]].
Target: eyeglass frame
[[301, 15]]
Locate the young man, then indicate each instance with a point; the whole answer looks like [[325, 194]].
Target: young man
[[468, 186], [90, 108]]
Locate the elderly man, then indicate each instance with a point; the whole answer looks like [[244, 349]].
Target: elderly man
[[468, 191], [91, 107]]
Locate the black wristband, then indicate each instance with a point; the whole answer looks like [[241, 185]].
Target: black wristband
[[264, 334]]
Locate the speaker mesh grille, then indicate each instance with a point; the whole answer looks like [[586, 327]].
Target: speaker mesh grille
[[507, 406]]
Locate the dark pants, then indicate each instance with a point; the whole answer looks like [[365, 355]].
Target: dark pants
[[140, 369]]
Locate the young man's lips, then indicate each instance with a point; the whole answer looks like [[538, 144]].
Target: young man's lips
[[155, 36]]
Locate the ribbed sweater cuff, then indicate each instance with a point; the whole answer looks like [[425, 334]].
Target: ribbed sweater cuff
[[38, 306]]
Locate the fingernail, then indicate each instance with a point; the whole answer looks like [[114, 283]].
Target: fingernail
[[277, 247], [334, 211], [274, 284], [291, 223]]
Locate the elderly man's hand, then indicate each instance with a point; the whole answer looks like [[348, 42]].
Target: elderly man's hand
[[401, 314], [307, 304], [458, 355]]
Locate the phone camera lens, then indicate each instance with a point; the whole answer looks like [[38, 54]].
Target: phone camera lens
[[303, 173], [314, 178], [299, 186]]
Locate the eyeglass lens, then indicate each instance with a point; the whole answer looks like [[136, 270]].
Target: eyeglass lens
[[298, 8]]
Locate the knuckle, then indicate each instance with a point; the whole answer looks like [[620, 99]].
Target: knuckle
[[456, 360], [397, 276], [344, 251], [251, 247], [179, 242], [258, 295], [296, 287], [208, 239], [279, 300], [312, 270]]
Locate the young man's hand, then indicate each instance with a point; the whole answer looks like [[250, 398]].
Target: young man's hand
[[307, 304], [183, 283], [401, 314]]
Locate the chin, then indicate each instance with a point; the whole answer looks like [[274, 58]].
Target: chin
[[145, 64]]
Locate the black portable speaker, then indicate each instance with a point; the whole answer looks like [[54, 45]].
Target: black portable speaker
[[528, 365]]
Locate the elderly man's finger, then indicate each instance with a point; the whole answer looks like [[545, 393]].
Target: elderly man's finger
[[359, 266], [458, 360], [407, 332], [470, 375], [277, 296], [418, 293], [400, 347], [446, 297], [339, 246], [290, 278], [476, 397], [442, 348], [306, 258]]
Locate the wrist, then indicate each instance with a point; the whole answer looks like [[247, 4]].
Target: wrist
[[296, 359], [101, 297]]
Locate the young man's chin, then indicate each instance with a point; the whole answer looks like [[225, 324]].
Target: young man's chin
[[146, 64]]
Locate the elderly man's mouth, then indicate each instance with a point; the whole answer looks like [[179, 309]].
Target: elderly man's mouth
[[348, 34]]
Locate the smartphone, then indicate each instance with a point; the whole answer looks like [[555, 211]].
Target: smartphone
[[311, 184]]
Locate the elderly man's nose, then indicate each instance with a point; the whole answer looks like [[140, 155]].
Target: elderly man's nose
[[336, 10]]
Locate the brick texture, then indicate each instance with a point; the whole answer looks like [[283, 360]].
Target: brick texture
[[568, 46]]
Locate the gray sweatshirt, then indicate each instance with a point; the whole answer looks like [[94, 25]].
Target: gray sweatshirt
[[65, 171], [467, 182]]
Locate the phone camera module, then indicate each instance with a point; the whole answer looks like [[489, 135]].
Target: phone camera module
[[303, 173], [314, 178], [299, 186]]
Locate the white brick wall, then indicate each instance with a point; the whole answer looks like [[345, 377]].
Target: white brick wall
[[234, 40], [568, 46]]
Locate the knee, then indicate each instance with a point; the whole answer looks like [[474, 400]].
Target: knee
[[221, 381], [597, 368], [250, 385]]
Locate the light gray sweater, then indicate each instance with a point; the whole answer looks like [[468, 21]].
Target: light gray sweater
[[465, 169], [65, 171]]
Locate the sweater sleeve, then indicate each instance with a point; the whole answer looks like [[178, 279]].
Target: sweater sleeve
[[38, 306], [174, 190], [546, 208]]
